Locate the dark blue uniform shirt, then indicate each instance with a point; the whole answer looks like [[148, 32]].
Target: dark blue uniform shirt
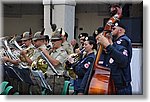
[[82, 70], [118, 60]]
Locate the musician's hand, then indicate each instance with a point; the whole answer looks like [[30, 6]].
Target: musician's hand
[[44, 51], [70, 59], [102, 40], [5, 59], [23, 52], [109, 37], [77, 51], [119, 10]]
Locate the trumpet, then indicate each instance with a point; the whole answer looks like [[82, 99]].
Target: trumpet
[[72, 59], [75, 57]]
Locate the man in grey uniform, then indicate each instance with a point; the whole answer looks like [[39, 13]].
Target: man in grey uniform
[[35, 60], [66, 45], [57, 59]]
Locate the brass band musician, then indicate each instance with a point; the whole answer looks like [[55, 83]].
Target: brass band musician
[[57, 59]]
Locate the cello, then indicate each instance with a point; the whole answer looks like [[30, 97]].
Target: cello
[[100, 78]]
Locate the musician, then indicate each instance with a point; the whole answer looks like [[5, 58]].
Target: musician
[[35, 61], [119, 53], [16, 52], [82, 37], [74, 44], [27, 40], [28, 46], [38, 42], [57, 59], [96, 32], [83, 67], [65, 44]]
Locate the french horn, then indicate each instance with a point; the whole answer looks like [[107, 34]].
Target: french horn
[[39, 64]]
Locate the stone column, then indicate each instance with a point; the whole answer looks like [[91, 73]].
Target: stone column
[[63, 16]]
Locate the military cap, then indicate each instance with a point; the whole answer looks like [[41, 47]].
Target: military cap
[[39, 35], [57, 35], [91, 38], [26, 35], [83, 36], [119, 24], [99, 30]]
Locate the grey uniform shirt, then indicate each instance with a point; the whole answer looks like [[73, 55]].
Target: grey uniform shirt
[[30, 53], [68, 47], [59, 54], [37, 53]]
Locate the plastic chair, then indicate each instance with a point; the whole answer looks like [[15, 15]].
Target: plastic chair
[[65, 88], [3, 86], [5, 89]]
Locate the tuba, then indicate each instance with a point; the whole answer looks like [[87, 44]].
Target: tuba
[[29, 50], [9, 53], [14, 43]]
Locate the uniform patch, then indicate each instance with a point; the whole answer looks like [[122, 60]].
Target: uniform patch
[[125, 52], [111, 60], [86, 65], [118, 42]]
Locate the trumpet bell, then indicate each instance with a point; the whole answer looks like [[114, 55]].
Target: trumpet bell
[[72, 58]]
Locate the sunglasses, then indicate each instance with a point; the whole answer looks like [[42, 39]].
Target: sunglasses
[[35, 40], [54, 40]]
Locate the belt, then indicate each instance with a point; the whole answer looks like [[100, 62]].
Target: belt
[[57, 76]]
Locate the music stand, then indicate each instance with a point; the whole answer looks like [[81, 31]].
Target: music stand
[[39, 76], [25, 75], [11, 73]]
